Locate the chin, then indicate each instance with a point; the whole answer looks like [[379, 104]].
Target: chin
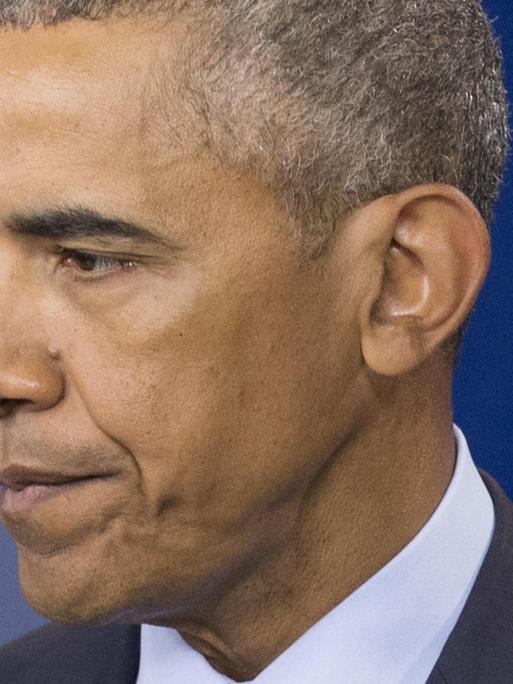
[[68, 590], [79, 588], [89, 583], [66, 607]]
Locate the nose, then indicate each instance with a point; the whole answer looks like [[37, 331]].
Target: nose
[[30, 378], [28, 382]]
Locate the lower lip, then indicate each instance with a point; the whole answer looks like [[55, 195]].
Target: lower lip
[[23, 500]]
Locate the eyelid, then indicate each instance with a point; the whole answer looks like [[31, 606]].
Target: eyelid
[[123, 263], [95, 251]]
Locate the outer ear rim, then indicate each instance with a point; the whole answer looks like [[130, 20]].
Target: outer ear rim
[[405, 344]]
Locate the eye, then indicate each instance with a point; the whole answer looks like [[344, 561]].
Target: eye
[[88, 262]]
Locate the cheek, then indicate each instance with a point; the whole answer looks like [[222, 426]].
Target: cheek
[[225, 406], [177, 412], [170, 396]]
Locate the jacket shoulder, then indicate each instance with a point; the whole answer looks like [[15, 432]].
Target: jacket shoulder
[[62, 654]]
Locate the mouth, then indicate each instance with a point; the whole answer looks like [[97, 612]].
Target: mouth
[[24, 489]]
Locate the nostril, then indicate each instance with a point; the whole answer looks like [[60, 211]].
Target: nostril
[[7, 406]]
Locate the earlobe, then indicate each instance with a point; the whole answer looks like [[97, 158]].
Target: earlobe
[[433, 268]]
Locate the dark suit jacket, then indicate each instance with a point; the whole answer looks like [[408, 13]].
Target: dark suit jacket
[[478, 651]]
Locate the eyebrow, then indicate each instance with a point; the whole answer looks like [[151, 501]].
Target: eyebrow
[[79, 222]]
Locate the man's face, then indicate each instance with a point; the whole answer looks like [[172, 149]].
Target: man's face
[[209, 371]]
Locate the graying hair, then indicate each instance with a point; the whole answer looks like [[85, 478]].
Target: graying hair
[[334, 103]]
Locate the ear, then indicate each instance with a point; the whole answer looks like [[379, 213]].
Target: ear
[[434, 256]]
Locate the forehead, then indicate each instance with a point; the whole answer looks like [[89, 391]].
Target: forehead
[[79, 105], [86, 74], [40, 69]]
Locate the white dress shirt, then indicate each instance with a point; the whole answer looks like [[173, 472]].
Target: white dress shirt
[[392, 629]]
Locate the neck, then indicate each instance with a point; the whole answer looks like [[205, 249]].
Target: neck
[[370, 500]]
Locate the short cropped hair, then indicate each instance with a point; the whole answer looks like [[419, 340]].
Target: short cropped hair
[[334, 103]]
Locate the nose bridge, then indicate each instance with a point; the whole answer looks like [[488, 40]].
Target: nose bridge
[[29, 376], [16, 297]]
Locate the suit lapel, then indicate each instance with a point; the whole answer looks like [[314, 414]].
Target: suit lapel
[[480, 647]]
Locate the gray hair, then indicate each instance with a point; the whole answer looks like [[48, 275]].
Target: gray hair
[[334, 103]]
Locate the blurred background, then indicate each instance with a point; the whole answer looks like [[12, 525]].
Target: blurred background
[[483, 393]]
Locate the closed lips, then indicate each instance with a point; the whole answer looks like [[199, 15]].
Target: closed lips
[[18, 477]]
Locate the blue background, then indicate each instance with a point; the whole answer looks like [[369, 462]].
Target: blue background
[[483, 392]]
